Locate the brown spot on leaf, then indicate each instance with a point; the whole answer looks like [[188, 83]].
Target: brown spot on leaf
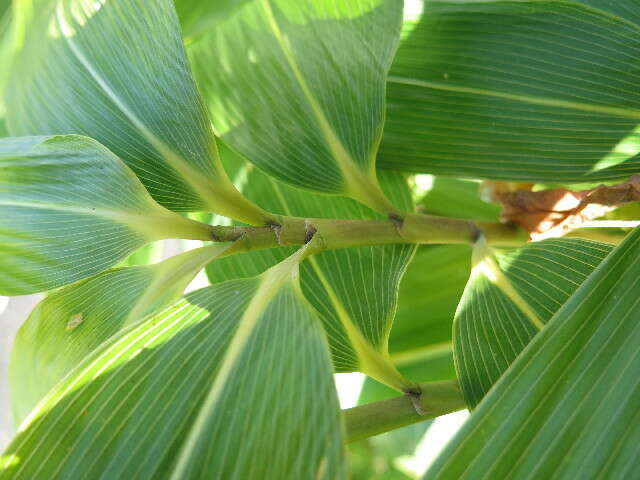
[[75, 321]]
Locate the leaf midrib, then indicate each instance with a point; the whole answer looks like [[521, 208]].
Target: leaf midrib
[[529, 99]]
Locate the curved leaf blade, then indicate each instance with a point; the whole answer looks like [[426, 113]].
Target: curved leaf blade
[[116, 71], [69, 209], [287, 81], [540, 91], [420, 342], [567, 406], [200, 367], [72, 322], [508, 298]]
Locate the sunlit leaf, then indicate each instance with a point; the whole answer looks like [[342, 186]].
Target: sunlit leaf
[[507, 300], [69, 209], [116, 71], [298, 87], [72, 322], [517, 90], [568, 406], [234, 371]]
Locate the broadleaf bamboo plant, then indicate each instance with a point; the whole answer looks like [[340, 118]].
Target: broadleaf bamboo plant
[[437, 194]]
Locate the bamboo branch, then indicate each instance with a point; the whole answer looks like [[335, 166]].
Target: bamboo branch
[[436, 399], [334, 234]]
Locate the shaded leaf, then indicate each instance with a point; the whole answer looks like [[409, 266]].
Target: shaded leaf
[[116, 71], [542, 91], [354, 286], [298, 88], [197, 16], [508, 298], [72, 322], [69, 209], [568, 406], [185, 395], [420, 341], [380, 457], [455, 197]]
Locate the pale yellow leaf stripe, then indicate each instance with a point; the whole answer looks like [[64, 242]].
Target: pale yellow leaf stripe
[[484, 263], [531, 99], [361, 185], [270, 283]]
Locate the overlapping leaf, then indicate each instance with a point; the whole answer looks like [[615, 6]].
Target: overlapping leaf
[[517, 90], [150, 253], [116, 71], [355, 286], [72, 322], [420, 342], [508, 299], [298, 87], [69, 209], [428, 297], [236, 371], [568, 406], [196, 17]]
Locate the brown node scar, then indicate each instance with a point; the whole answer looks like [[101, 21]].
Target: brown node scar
[[277, 229], [415, 394], [396, 219], [310, 231]]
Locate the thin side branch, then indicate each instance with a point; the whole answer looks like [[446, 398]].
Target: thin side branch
[[433, 400]]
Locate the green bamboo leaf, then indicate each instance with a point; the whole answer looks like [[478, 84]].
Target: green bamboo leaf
[[69, 208], [184, 395], [508, 298], [298, 88], [196, 17], [6, 55], [116, 71], [354, 290], [72, 322], [568, 406], [429, 293], [542, 91], [455, 197]]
